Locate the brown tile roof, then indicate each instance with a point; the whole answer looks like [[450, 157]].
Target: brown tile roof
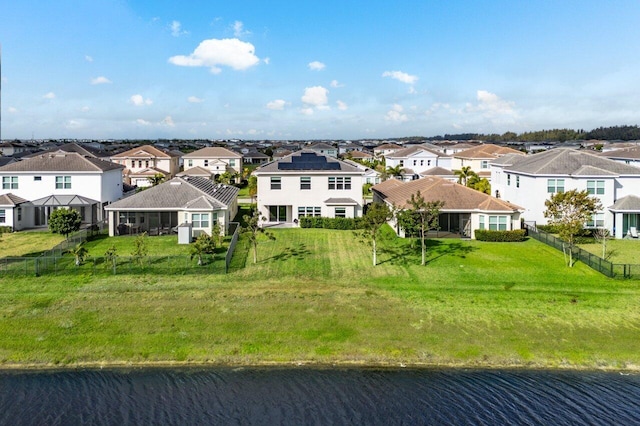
[[486, 151], [145, 151], [456, 197], [213, 152], [11, 200]]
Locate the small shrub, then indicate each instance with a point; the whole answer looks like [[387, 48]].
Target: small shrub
[[551, 229], [342, 223], [5, 229], [517, 235]]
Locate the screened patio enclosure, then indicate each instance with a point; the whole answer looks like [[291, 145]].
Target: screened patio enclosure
[[89, 209], [455, 223], [151, 222]]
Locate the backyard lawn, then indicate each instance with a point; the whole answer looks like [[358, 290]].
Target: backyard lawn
[[617, 251], [28, 243], [313, 297]]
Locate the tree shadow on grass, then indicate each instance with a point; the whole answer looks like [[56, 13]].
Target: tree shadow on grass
[[410, 253], [298, 252]]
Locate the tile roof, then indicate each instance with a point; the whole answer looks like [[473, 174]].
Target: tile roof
[[213, 152], [456, 197], [145, 151], [340, 166], [180, 193], [568, 161], [60, 161], [631, 153], [341, 201], [386, 147], [630, 203], [437, 171], [86, 151], [486, 151], [408, 152], [11, 200], [196, 171]]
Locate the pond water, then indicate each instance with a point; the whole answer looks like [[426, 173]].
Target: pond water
[[318, 396]]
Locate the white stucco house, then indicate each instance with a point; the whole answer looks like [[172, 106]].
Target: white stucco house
[[217, 160], [465, 210], [480, 157], [146, 161], [192, 201], [417, 159], [307, 183], [530, 181], [58, 180], [629, 155]]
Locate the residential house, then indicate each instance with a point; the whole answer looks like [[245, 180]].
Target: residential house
[[385, 149], [416, 159], [479, 157], [530, 181], [324, 148], [440, 172], [11, 211], [61, 180], [194, 202], [629, 155], [464, 211], [12, 148], [146, 161], [253, 156], [307, 183], [217, 159]]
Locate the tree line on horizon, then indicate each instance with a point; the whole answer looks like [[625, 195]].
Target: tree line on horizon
[[623, 133]]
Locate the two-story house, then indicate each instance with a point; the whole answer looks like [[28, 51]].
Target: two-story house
[[306, 183], [479, 157], [531, 180], [217, 160], [324, 148], [629, 155], [146, 161], [417, 159], [58, 180]]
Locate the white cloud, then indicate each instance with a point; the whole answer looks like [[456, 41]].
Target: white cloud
[[49, 95], [276, 105], [316, 66], [85, 108], [168, 121], [12, 110], [306, 111], [139, 100], [401, 76], [176, 29], [315, 96], [238, 30], [267, 61], [336, 83], [194, 99], [143, 122], [74, 124], [100, 80], [396, 115], [342, 106], [491, 105], [214, 53], [88, 58]]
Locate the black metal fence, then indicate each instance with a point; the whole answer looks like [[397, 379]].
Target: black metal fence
[[58, 261], [601, 265]]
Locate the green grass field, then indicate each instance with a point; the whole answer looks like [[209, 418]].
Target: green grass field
[[617, 251], [28, 243], [313, 297]]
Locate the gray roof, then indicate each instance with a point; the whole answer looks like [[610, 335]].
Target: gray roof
[[566, 161], [213, 152], [340, 166], [60, 161], [64, 200], [180, 193], [341, 201], [11, 200], [86, 151], [630, 203], [437, 171]]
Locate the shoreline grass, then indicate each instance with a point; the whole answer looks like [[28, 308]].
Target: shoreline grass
[[314, 299]]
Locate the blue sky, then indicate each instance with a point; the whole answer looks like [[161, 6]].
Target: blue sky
[[315, 69]]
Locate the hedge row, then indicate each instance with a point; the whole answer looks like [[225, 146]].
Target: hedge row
[[345, 223], [514, 236], [5, 229]]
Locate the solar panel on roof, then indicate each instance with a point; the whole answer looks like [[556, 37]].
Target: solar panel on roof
[[308, 161]]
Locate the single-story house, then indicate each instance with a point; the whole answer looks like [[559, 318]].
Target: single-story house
[[191, 201]]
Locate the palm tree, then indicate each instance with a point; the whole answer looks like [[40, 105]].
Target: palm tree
[[396, 171], [80, 254], [464, 174], [156, 179]]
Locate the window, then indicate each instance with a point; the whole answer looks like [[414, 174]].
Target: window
[[190, 163], [206, 163], [232, 162], [276, 182], [200, 220], [517, 181], [481, 219], [402, 163], [146, 163], [498, 223], [484, 164], [37, 178], [3, 216], [415, 162], [422, 162], [140, 163], [63, 182], [309, 211], [305, 182], [597, 221], [508, 180], [9, 182], [19, 214], [595, 187], [555, 185], [339, 182], [341, 212]]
